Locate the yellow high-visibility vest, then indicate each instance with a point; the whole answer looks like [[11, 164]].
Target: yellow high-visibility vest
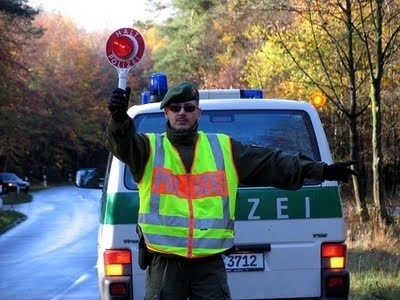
[[189, 214]]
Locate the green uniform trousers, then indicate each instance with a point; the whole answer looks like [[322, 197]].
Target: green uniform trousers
[[175, 278]]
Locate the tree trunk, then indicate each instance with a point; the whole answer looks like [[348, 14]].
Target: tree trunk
[[359, 189], [379, 201]]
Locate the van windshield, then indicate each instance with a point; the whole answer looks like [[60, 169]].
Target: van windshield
[[289, 130]]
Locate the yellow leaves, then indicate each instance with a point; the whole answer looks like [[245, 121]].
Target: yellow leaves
[[255, 31], [267, 67], [153, 40], [228, 38]]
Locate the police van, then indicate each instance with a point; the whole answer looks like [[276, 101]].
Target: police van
[[288, 244]]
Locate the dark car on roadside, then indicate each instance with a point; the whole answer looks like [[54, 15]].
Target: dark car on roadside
[[10, 182]]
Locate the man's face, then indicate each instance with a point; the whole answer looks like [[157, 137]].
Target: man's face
[[182, 116]]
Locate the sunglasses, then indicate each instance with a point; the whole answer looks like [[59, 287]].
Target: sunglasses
[[187, 108]]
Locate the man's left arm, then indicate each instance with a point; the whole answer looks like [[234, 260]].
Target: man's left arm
[[266, 166]]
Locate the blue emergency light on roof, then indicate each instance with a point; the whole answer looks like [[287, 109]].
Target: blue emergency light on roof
[[251, 93], [158, 86], [145, 97]]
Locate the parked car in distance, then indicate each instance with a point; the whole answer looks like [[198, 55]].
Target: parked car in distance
[[10, 182]]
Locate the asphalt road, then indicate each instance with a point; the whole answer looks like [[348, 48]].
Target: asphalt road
[[52, 254]]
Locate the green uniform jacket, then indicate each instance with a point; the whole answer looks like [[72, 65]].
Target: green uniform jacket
[[256, 166]]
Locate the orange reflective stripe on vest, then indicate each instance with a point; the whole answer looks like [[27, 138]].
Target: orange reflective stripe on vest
[[195, 186]]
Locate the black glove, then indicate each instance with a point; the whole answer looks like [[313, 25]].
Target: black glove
[[118, 104], [339, 171]]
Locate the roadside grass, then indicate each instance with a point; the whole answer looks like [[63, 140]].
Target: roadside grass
[[373, 259], [8, 216]]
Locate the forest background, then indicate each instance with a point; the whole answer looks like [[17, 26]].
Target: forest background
[[55, 79]]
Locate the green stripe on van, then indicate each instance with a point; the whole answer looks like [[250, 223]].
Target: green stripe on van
[[120, 208], [252, 204]]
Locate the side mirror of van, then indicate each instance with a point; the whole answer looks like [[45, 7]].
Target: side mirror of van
[[88, 178]]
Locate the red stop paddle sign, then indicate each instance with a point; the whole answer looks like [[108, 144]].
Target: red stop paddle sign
[[125, 48]]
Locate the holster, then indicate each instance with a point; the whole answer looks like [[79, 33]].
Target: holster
[[144, 256]]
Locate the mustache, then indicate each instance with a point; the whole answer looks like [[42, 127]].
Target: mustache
[[181, 119]]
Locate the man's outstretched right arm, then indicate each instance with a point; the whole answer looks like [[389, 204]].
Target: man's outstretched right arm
[[121, 138]]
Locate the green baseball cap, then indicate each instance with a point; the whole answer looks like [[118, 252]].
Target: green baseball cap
[[182, 92]]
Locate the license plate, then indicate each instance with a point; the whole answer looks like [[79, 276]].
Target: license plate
[[244, 262]]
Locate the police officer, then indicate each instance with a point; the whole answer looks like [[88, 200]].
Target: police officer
[[183, 177]]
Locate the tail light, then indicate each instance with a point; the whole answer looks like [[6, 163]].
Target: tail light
[[117, 262], [333, 255]]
